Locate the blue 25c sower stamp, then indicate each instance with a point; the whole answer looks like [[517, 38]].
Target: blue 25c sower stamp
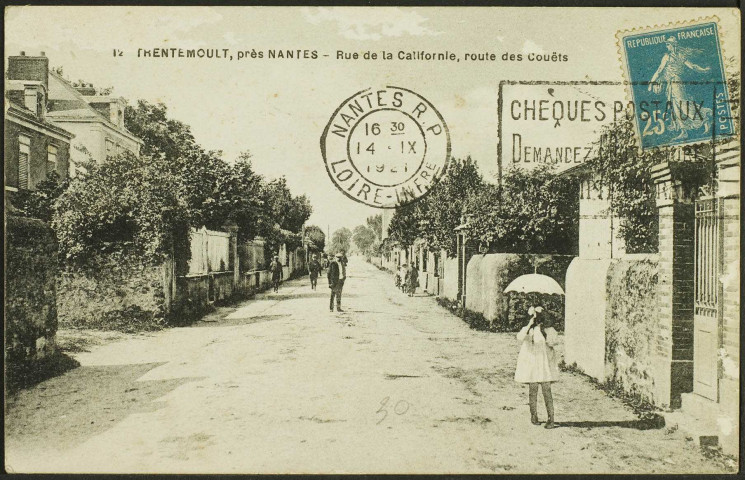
[[677, 82]]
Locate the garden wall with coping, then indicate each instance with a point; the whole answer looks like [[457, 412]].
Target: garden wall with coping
[[488, 275], [449, 280], [612, 316], [585, 313]]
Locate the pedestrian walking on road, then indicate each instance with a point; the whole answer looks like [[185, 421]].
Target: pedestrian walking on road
[[336, 275], [412, 279], [536, 363], [277, 273], [403, 273], [314, 268]]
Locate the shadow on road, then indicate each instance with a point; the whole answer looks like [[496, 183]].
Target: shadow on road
[[66, 410], [26, 375], [295, 296], [653, 422], [215, 321]]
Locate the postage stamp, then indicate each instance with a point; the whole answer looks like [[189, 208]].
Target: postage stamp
[[677, 79], [385, 147]]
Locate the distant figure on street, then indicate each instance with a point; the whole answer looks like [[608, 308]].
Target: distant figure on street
[[336, 275], [277, 273], [314, 268], [403, 272], [536, 363], [412, 279], [325, 262]]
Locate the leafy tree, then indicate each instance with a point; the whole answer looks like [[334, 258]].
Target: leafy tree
[[435, 217], [163, 137], [534, 211], [283, 214], [247, 207], [375, 223], [364, 239], [205, 180], [340, 241], [126, 203], [216, 193], [625, 174], [444, 205], [404, 226], [315, 237]]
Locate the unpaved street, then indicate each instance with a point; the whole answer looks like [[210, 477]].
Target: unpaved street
[[278, 384]]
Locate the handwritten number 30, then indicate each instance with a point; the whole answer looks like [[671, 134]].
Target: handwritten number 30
[[401, 407]]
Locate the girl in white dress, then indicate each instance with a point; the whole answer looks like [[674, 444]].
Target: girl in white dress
[[536, 363]]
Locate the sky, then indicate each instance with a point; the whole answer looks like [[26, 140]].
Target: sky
[[277, 109]]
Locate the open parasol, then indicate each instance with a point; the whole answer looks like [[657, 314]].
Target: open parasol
[[535, 283]]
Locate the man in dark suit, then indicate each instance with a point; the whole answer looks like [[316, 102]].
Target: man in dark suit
[[314, 268], [336, 275], [277, 272]]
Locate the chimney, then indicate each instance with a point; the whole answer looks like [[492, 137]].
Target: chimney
[[35, 69], [111, 108], [86, 89], [34, 100]]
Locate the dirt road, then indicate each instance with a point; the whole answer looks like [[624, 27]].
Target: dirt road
[[279, 384]]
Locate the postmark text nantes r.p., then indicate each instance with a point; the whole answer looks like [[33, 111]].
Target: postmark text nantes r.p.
[[385, 147]]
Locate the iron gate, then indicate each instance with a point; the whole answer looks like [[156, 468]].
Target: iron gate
[[707, 299]]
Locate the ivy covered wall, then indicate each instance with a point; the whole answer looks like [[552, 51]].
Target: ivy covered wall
[[631, 324]]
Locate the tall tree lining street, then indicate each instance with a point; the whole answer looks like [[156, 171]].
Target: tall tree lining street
[[280, 384]]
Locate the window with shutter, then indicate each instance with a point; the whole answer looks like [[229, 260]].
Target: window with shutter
[[24, 152], [51, 158]]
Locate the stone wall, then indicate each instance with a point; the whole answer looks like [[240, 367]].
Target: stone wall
[[117, 291], [631, 321], [30, 290]]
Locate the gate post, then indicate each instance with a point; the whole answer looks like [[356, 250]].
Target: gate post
[[728, 158], [234, 260], [673, 353]]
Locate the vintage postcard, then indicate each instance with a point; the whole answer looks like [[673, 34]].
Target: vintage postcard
[[371, 240]]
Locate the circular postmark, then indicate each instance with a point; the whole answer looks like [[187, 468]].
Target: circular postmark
[[385, 147]]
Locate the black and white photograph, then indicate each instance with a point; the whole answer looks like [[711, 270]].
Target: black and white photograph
[[371, 240]]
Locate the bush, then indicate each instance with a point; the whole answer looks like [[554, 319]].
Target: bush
[[533, 211], [127, 202]]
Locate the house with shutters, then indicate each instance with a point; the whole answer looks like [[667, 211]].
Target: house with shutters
[[96, 120], [34, 146]]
